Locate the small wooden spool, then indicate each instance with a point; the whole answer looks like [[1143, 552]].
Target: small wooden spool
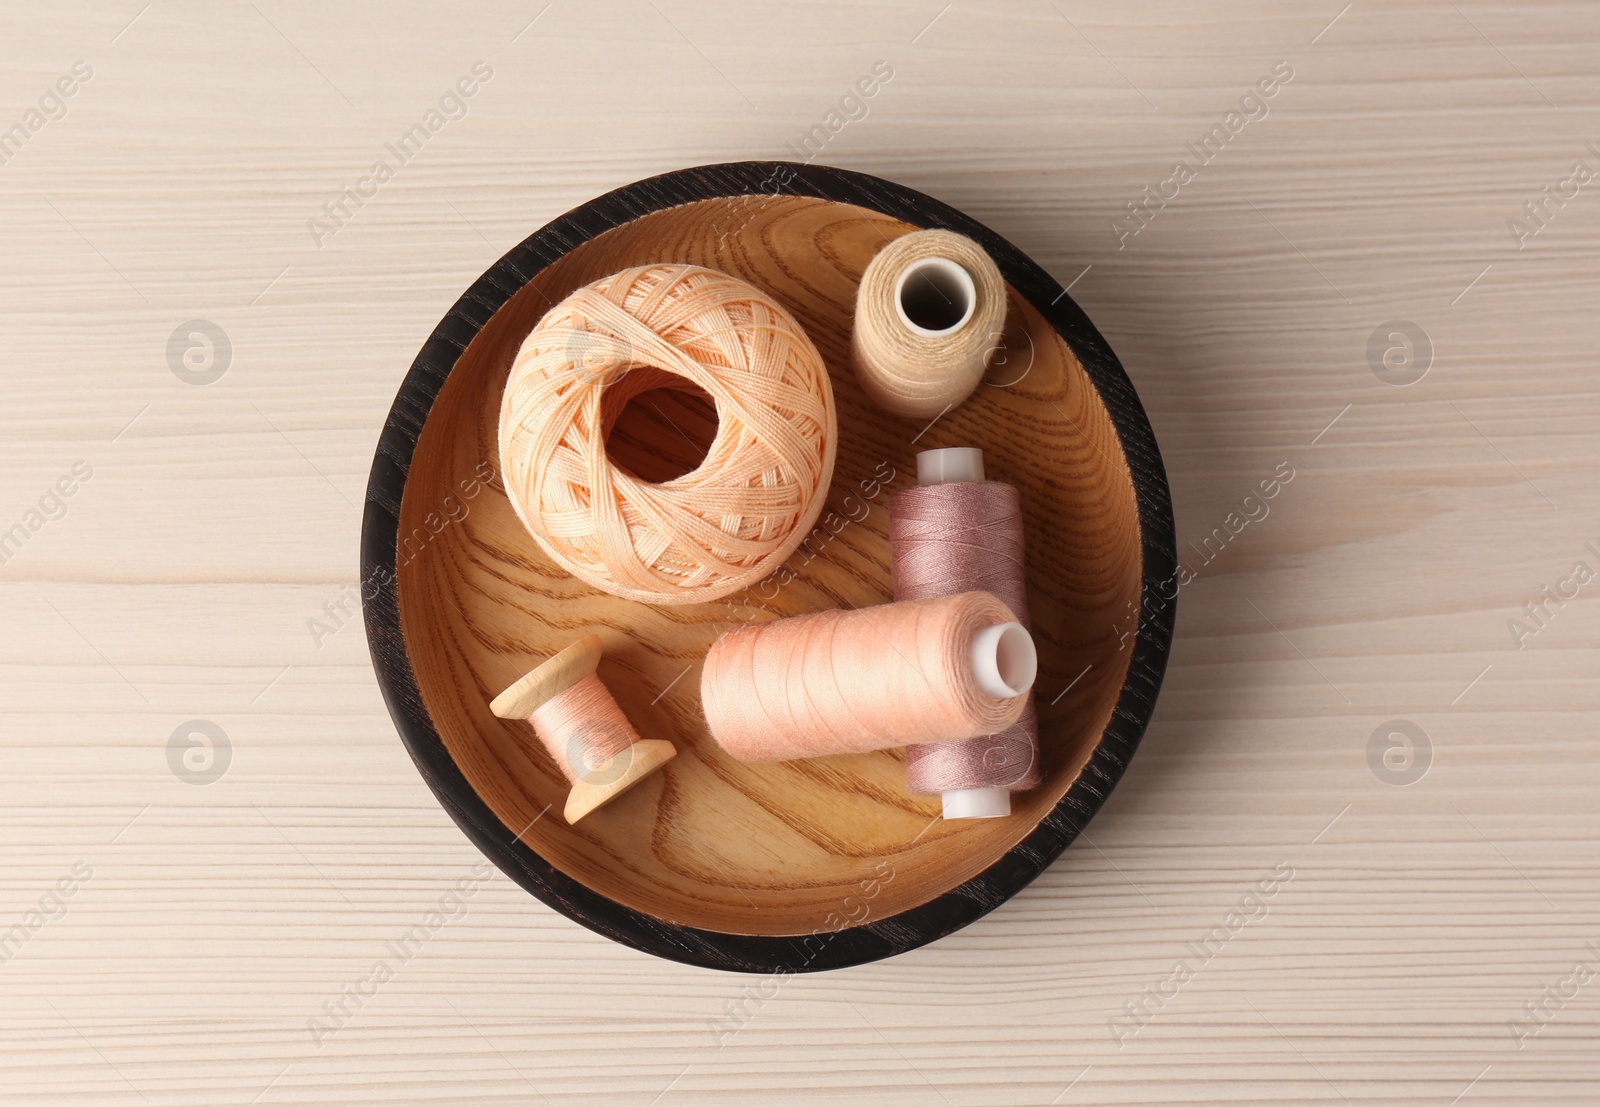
[[592, 786]]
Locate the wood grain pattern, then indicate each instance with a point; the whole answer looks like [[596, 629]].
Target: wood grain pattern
[[220, 519], [809, 849]]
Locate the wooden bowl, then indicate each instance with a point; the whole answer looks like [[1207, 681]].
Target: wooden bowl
[[795, 866]]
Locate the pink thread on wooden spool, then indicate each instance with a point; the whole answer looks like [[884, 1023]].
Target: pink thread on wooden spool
[[582, 727]]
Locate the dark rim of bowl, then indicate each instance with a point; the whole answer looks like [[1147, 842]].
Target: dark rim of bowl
[[875, 938]]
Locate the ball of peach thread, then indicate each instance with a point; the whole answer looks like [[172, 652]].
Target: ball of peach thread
[[712, 531], [582, 727]]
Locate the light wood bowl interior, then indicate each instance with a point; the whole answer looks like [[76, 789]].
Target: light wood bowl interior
[[709, 842]]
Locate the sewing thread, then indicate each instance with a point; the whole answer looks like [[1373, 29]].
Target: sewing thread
[[852, 681], [951, 536], [712, 531], [929, 312], [582, 727]]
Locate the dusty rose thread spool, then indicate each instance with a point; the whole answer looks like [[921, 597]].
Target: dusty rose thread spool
[[853, 681], [955, 532], [582, 727]]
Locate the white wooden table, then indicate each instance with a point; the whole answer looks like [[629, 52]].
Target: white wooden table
[[173, 941]]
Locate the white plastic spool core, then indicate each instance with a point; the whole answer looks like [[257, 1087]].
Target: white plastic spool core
[[950, 466], [1004, 661], [976, 803], [935, 297]]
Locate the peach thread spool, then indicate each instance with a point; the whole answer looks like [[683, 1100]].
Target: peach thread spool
[[853, 681], [710, 532], [929, 313], [953, 532], [582, 728]]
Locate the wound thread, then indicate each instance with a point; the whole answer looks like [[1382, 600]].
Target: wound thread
[[714, 530], [853, 681], [929, 311], [583, 728], [952, 538]]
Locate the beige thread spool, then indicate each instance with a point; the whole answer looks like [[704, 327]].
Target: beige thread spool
[[930, 310], [582, 727]]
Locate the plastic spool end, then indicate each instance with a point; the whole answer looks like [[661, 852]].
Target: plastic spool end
[[977, 803], [1004, 660], [935, 297], [950, 466]]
